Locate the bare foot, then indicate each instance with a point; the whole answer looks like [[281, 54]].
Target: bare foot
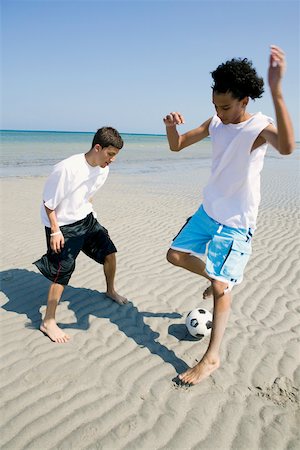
[[113, 295], [208, 292], [201, 371], [54, 332]]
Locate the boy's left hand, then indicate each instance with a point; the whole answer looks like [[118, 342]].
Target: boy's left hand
[[276, 68]]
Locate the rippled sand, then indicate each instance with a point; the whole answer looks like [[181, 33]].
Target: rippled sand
[[112, 387]]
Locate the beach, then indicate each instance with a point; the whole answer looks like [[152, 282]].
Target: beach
[[113, 386]]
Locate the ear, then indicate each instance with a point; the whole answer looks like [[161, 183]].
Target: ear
[[245, 101], [98, 147]]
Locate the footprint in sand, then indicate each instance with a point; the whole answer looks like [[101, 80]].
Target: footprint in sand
[[281, 392]]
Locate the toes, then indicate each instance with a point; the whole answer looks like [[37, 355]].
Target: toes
[[185, 381], [54, 336], [117, 298], [184, 378], [120, 301], [63, 339], [207, 293]]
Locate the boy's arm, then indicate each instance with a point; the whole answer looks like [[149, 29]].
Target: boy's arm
[[281, 138], [176, 141], [56, 237]]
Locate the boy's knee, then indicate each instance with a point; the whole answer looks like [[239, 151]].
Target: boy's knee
[[110, 257], [172, 257], [220, 287]]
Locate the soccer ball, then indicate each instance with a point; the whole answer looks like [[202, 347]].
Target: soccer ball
[[199, 322]]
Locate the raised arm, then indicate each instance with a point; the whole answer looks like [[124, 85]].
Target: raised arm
[[281, 138], [176, 141]]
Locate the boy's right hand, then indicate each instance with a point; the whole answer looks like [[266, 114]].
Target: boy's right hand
[[277, 68], [57, 243], [172, 119]]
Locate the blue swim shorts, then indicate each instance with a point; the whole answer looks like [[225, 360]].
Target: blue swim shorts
[[227, 249]]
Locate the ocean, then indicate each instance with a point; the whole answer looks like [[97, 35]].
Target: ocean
[[33, 153]]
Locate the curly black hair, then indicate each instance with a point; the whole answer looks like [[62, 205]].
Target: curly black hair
[[238, 77]]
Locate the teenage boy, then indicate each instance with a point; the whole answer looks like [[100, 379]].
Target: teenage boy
[[71, 225], [226, 219]]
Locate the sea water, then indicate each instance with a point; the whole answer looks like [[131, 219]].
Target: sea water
[[33, 153]]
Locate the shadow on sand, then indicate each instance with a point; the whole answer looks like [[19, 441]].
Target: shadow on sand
[[27, 292]]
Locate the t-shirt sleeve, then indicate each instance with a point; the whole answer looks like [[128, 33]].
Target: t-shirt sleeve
[[56, 187]]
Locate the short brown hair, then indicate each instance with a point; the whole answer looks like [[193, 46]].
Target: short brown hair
[[107, 136]]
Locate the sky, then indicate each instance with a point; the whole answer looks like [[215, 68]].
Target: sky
[[77, 65]]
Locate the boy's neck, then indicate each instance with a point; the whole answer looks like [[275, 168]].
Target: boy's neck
[[245, 116], [89, 157]]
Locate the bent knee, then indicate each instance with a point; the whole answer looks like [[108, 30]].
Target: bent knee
[[220, 287], [170, 256], [175, 257]]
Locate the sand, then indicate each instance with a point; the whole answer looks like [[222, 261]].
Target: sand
[[112, 387]]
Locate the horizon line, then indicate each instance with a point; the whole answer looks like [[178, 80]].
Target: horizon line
[[69, 131], [93, 132]]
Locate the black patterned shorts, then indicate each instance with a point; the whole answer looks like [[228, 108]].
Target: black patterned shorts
[[86, 235]]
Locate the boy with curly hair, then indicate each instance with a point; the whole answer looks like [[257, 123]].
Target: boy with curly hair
[[226, 220], [71, 225]]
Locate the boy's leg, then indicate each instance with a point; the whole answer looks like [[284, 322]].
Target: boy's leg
[[48, 325], [191, 242], [109, 267], [99, 247], [191, 263], [211, 359]]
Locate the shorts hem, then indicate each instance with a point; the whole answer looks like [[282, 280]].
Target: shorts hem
[[230, 283], [51, 278], [185, 250]]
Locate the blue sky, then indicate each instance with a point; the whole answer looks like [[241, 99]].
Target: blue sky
[[81, 64]]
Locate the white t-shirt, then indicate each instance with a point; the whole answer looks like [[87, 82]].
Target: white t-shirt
[[69, 187], [232, 194]]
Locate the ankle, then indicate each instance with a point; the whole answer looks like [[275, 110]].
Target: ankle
[[211, 358], [111, 291], [49, 321]]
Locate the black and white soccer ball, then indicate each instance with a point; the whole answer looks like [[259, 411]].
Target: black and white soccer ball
[[199, 322]]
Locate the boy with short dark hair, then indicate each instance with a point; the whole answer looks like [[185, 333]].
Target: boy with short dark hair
[[226, 220], [71, 225]]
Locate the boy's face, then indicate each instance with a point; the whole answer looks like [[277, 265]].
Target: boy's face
[[106, 155], [228, 108]]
